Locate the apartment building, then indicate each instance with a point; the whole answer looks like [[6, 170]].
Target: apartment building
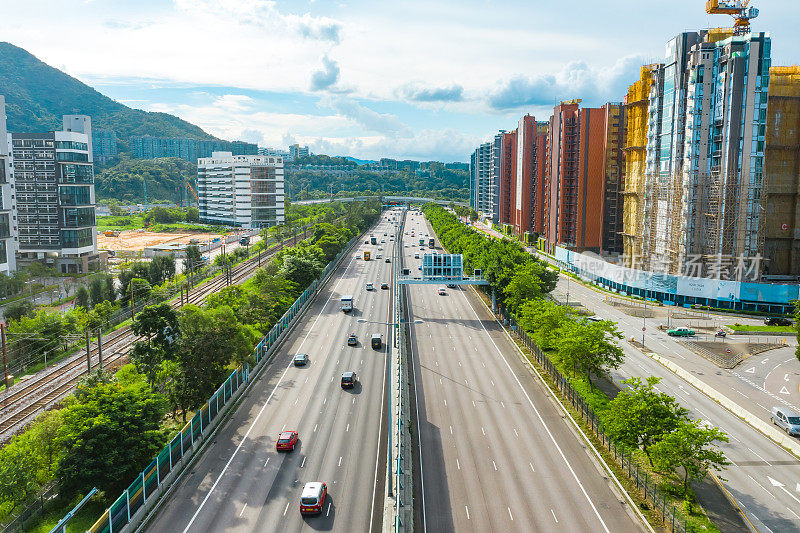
[[8, 260], [296, 152], [614, 175], [480, 178], [241, 190], [148, 147], [505, 181], [55, 200], [104, 146], [723, 153], [495, 175], [575, 177], [529, 178]]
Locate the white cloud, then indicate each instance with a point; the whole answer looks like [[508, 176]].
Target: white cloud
[[327, 77]]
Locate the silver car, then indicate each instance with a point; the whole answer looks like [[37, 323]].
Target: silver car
[[786, 419]]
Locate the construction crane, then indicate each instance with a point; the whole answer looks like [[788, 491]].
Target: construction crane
[[738, 9], [191, 190]]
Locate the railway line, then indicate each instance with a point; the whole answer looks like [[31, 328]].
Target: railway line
[[21, 403]]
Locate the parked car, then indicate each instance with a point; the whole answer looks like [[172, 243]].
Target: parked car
[[680, 332], [300, 359], [287, 440], [778, 321], [786, 419]]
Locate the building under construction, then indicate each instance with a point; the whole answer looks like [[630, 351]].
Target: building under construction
[[781, 195], [636, 113]]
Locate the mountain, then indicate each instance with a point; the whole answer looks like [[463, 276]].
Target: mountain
[[37, 95]]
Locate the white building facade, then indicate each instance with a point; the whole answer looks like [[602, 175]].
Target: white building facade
[[8, 245], [241, 190]]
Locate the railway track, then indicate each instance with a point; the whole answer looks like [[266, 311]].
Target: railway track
[[21, 403]]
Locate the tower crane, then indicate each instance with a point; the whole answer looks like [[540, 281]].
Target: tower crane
[[191, 190], [738, 9]]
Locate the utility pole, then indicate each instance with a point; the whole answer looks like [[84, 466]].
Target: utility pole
[[88, 352], [5, 360], [100, 348]]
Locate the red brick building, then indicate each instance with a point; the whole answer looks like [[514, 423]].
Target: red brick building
[[529, 201], [508, 164]]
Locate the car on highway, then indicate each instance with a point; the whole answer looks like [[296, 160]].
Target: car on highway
[[369, 286], [287, 440], [385, 286], [300, 359], [451, 285], [313, 497], [593, 318], [377, 341], [786, 419], [378, 256], [777, 321], [385, 234], [442, 291], [383, 241], [349, 380], [680, 332], [352, 340], [388, 260], [416, 255], [380, 247], [366, 242]]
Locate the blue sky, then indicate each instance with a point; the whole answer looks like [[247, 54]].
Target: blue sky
[[411, 79]]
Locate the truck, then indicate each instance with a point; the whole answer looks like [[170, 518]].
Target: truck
[[366, 255], [347, 303], [373, 240], [431, 243]]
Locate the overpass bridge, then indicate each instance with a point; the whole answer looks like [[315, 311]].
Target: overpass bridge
[[385, 198]]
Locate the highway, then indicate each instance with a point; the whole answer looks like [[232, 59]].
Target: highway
[[240, 483], [763, 477], [495, 452]]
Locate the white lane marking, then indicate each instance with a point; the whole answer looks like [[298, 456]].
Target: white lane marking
[[502, 405], [445, 403], [354, 401], [286, 508], [760, 485], [243, 508], [451, 430], [329, 509], [764, 408], [467, 508], [325, 400], [348, 428], [458, 464], [509, 513], [440, 381], [484, 364], [267, 461], [473, 403], [466, 382], [252, 425], [754, 453], [283, 428], [459, 363], [554, 516], [295, 401], [530, 465], [340, 461], [495, 466], [303, 463], [482, 431], [515, 432], [492, 382], [306, 381], [315, 428], [539, 416]]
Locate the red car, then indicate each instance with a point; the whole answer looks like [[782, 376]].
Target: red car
[[287, 440]]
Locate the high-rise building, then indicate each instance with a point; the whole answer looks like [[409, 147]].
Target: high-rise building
[[296, 152], [8, 260], [147, 147], [494, 177], [529, 183], [505, 180], [781, 194], [575, 180], [55, 201], [274, 152], [241, 190], [635, 148], [104, 146], [723, 153], [614, 175], [480, 175]]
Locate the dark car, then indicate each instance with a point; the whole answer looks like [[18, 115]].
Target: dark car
[[287, 440], [778, 321], [352, 340], [388, 260], [300, 359], [349, 380], [385, 286], [377, 341]]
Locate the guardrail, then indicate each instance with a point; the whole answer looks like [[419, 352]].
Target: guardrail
[[130, 508]]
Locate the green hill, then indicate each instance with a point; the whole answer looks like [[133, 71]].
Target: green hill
[[165, 179], [37, 95]]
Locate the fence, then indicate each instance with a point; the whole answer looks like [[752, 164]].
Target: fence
[[646, 487], [35, 509], [162, 470]]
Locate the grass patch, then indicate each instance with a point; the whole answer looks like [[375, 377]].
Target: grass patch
[[82, 521], [762, 327]]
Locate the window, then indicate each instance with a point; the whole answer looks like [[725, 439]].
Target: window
[[71, 145], [72, 156], [77, 238], [74, 196], [75, 217], [76, 173], [5, 230]]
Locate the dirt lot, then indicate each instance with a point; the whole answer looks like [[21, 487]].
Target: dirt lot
[[134, 240]]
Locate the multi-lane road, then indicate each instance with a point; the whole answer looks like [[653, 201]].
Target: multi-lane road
[[242, 484], [495, 452]]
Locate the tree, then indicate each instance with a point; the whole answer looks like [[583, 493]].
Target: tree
[[115, 209], [688, 451], [110, 433], [100, 315], [194, 259], [17, 310], [528, 283], [542, 320], [640, 416], [301, 270], [590, 348], [110, 291], [18, 467], [162, 268], [44, 433], [82, 297], [159, 325], [140, 290], [473, 215], [192, 214], [97, 289]]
